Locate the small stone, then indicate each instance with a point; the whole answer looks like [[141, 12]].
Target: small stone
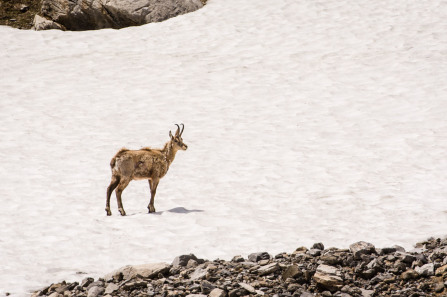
[[217, 293], [367, 293], [111, 288], [136, 284], [301, 250], [238, 259], [24, 8], [292, 287], [409, 274], [183, 260], [192, 263], [383, 277], [405, 257], [361, 248], [255, 257], [292, 272], [330, 259], [438, 287], [206, 287], [387, 250], [95, 291], [234, 293], [441, 270], [267, 269], [98, 283], [199, 273], [328, 277], [86, 282], [247, 287], [150, 270], [426, 270], [194, 287], [314, 252], [318, 246]]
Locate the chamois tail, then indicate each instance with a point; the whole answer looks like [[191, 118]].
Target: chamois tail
[[120, 152]]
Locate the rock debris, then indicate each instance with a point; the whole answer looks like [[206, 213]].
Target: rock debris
[[360, 271]]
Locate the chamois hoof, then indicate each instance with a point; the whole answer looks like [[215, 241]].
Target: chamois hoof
[[109, 213], [122, 212], [151, 208]]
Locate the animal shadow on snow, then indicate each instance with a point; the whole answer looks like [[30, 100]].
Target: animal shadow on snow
[[180, 210], [183, 210]]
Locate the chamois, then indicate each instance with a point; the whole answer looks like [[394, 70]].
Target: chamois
[[146, 163]]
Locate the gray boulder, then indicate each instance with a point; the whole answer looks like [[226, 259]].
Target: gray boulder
[[41, 23], [95, 291], [328, 277], [145, 270], [362, 248], [256, 257], [183, 260], [78, 15]]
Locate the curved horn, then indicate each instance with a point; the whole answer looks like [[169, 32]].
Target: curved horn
[[183, 128], [178, 130]]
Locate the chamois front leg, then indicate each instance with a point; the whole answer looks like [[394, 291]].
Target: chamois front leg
[[153, 186], [121, 186]]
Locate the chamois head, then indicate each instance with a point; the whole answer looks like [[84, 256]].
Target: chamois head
[[177, 139]]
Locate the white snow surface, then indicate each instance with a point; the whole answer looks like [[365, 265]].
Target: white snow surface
[[307, 121]]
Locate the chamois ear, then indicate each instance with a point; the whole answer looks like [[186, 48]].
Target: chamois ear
[[170, 135]]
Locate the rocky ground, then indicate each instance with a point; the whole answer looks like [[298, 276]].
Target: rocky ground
[[361, 270], [19, 13]]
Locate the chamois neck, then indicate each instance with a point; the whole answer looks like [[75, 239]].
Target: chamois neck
[[169, 151]]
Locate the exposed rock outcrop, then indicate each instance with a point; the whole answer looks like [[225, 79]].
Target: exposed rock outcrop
[[78, 15]]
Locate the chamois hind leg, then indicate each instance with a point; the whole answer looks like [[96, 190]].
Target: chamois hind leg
[[121, 186], [115, 181], [153, 184]]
